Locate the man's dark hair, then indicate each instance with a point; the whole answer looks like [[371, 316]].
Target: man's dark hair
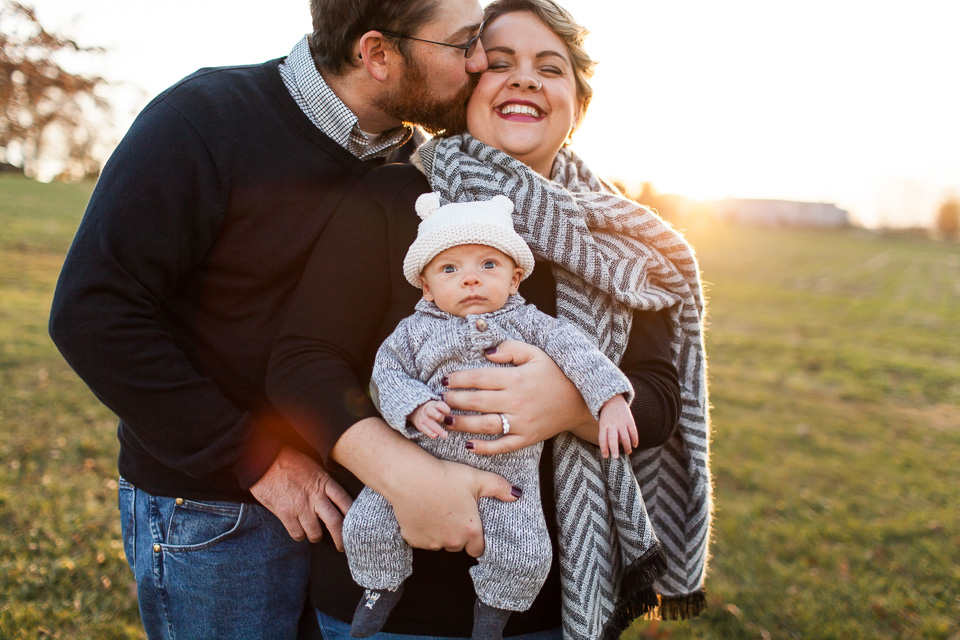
[[338, 23]]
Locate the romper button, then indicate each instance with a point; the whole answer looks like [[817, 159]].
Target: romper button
[[179, 501], [481, 324], [156, 548]]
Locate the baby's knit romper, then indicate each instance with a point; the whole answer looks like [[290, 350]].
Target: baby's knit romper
[[407, 372]]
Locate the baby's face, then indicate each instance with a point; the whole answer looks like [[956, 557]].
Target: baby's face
[[470, 278]]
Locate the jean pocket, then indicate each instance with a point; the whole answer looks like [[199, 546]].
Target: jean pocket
[[126, 499], [198, 525]]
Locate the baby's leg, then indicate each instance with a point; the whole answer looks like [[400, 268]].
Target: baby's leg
[[373, 610], [488, 622], [517, 554], [379, 559]]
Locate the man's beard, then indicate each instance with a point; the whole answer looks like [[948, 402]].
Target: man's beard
[[413, 103]]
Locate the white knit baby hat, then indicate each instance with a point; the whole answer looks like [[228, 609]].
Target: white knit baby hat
[[486, 222]]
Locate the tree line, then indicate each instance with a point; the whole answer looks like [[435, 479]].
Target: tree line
[[45, 110]]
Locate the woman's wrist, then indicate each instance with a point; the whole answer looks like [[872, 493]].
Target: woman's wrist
[[587, 428], [378, 455]]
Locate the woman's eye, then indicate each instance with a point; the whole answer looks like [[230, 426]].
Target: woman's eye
[[497, 66], [552, 70], [449, 269]]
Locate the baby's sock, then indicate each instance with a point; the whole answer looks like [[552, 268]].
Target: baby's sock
[[372, 612], [488, 622]]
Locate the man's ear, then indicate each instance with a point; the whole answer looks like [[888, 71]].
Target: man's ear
[[375, 54], [426, 289]]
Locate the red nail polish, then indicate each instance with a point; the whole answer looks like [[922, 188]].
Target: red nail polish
[[469, 446], [490, 351], [516, 492], [445, 381], [448, 420]]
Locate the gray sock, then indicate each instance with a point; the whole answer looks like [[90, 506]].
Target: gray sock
[[372, 612], [488, 622]]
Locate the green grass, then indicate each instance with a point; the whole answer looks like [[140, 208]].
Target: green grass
[[62, 571], [835, 384], [835, 381]]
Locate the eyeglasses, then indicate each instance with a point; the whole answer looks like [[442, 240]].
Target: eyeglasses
[[468, 47]]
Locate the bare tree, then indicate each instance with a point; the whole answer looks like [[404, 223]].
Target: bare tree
[[42, 105]]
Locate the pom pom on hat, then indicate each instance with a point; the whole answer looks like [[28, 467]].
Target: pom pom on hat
[[428, 204], [486, 222]]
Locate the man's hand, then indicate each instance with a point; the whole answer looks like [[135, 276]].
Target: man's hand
[[300, 492], [538, 400], [437, 509], [617, 428], [429, 418]]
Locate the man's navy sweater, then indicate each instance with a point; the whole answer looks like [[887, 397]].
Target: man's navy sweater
[[181, 273]]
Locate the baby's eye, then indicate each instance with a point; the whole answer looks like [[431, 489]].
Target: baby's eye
[[449, 269], [489, 264]]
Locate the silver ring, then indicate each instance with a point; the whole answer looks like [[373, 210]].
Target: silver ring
[[506, 423], [539, 86]]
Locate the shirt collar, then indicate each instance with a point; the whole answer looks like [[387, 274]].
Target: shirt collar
[[328, 112]]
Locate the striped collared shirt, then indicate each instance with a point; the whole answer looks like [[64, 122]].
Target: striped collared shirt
[[318, 101]]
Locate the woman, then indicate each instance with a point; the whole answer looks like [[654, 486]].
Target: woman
[[643, 310]]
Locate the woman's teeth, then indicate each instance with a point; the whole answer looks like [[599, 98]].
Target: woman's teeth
[[520, 108]]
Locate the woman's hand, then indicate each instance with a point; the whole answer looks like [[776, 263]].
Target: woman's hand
[[436, 508], [537, 399], [435, 501]]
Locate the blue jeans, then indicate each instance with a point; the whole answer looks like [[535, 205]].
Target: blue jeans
[[333, 629], [208, 569]]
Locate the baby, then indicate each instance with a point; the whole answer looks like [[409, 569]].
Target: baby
[[469, 262]]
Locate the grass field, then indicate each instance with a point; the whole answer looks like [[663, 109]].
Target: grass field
[[835, 381]]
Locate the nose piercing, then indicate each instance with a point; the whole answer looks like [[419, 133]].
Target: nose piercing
[[539, 86]]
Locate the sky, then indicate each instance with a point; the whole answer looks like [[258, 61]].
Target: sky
[[853, 102]]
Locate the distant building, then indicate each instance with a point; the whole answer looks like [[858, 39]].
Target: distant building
[[780, 213]]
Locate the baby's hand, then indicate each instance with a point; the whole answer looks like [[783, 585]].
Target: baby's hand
[[428, 418], [617, 427]]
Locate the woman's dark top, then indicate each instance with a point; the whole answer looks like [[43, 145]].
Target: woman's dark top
[[350, 299]]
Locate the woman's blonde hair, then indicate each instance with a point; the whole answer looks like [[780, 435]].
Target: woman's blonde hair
[[561, 22]]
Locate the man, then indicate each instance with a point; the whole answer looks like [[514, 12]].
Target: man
[[177, 284]]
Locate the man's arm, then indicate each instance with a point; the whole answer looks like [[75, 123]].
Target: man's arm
[[154, 214]]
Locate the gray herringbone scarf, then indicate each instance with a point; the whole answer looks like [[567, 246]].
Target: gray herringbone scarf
[[610, 256]]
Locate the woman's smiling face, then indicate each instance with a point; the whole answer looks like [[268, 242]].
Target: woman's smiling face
[[526, 101]]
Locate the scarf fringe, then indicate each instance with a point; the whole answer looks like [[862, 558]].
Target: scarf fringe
[[683, 607], [637, 596]]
